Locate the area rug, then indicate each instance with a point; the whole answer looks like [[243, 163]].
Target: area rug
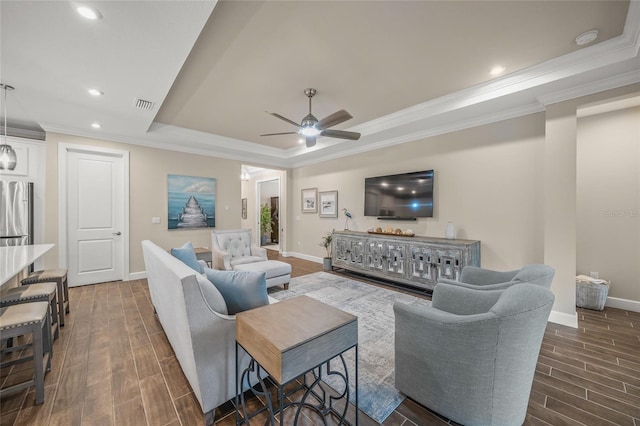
[[377, 396]]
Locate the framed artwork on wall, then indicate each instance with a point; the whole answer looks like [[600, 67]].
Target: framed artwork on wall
[[191, 202], [244, 208], [328, 203], [310, 200]]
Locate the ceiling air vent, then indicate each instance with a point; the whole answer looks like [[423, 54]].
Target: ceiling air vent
[[142, 104]]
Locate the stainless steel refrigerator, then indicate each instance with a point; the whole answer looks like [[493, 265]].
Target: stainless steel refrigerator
[[16, 213]]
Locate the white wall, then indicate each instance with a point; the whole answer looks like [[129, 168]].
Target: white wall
[[488, 182], [268, 189], [148, 172], [608, 200], [559, 208], [510, 184]]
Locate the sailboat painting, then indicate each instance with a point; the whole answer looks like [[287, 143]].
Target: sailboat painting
[[191, 202]]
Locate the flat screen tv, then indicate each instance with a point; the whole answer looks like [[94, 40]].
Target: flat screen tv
[[402, 196]]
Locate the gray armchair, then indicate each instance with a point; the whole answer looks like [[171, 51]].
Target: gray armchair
[[486, 279], [234, 247], [472, 354]]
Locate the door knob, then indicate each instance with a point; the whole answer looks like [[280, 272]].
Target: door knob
[[117, 233]]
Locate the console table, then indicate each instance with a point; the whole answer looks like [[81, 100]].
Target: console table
[[415, 261], [287, 340]]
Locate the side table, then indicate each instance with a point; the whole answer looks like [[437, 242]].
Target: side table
[[203, 253], [287, 340]]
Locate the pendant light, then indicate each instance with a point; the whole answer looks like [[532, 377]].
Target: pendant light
[[8, 159]]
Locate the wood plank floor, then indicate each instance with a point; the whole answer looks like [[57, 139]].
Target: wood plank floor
[[114, 366]]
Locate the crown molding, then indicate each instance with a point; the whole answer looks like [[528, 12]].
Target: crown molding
[[215, 150], [26, 133], [401, 138], [590, 88]]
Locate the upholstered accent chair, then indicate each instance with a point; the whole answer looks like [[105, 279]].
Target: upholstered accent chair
[[232, 250], [472, 354], [487, 279], [234, 247]]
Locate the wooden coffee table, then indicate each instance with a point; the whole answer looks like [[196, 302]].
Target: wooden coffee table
[[290, 339]]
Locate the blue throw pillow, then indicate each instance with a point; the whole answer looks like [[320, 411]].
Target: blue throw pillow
[[188, 256], [241, 290]]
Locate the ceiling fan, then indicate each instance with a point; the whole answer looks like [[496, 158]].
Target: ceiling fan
[[310, 127]]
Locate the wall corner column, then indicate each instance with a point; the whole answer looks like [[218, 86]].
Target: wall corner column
[[560, 208]]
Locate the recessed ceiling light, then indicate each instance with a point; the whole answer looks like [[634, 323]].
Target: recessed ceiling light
[[96, 125], [497, 70], [586, 37], [89, 12], [95, 92], [301, 140]]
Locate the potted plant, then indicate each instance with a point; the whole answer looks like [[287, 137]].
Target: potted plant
[[326, 243], [265, 223]]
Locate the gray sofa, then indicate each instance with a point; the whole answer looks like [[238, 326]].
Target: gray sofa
[[487, 279], [472, 354], [194, 317]]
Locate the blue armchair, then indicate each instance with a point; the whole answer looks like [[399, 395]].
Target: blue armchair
[[486, 279], [472, 354]]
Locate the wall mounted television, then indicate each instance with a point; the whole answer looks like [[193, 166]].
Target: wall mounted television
[[404, 196]]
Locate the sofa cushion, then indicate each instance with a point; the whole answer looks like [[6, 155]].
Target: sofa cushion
[[246, 259], [188, 256], [212, 295], [272, 268], [241, 290]]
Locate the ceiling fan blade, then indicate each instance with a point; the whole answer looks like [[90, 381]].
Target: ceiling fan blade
[[311, 141], [276, 134], [341, 134], [334, 119], [283, 118]]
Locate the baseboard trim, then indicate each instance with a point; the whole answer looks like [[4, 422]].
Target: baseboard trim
[[303, 256], [570, 320], [137, 275], [626, 304]]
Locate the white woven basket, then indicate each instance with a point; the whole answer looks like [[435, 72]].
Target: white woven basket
[[590, 295]]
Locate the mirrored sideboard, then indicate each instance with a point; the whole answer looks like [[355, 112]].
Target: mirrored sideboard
[[415, 261]]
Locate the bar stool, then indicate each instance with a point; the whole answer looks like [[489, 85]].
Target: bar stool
[[60, 277], [23, 319], [41, 292]]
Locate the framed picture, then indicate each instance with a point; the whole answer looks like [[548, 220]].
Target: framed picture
[[244, 208], [191, 202], [310, 200], [328, 204]]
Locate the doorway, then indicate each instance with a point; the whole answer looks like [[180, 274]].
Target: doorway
[[93, 211], [268, 202], [275, 219]]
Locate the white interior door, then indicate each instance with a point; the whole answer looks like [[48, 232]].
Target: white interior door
[[95, 194]]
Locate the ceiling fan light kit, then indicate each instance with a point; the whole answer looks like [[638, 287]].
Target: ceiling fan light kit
[[310, 127]]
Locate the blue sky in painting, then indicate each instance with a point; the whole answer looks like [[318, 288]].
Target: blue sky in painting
[[191, 184]]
